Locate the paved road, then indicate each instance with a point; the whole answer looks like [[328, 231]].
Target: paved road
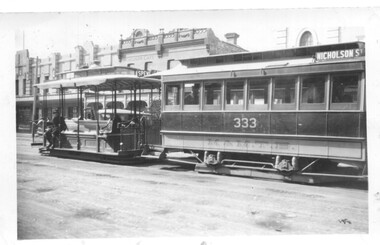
[[61, 198]]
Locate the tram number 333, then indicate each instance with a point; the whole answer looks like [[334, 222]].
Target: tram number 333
[[245, 122]]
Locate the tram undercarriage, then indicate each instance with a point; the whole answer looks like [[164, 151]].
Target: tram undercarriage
[[285, 168]]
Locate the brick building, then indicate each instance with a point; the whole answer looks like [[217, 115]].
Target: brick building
[[141, 50]]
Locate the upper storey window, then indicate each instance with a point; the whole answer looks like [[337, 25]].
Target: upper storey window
[[306, 39]]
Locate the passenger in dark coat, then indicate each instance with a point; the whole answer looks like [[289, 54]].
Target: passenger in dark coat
[[58, 125]]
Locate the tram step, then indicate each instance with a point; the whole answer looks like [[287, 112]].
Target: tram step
[[151, 156]]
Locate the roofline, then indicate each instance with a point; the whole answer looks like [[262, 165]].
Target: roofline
[[273, 50], [97, 68], [234, 45]]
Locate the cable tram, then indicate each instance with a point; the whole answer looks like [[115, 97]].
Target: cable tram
[[295, 114], [103, 134]]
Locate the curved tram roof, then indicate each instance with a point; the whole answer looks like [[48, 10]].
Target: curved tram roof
[[104, 82]]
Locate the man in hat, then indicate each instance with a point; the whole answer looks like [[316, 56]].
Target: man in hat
[[58, 125]]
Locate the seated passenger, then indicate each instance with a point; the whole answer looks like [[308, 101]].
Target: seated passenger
[[55, 128], [115, 126]]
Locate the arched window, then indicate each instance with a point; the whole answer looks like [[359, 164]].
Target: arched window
[[306, 39], [138, 34]]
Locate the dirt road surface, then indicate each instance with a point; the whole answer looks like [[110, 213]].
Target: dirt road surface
[[62, 198]]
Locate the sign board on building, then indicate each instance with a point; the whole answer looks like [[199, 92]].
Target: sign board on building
[[143, 73], [339, 54]]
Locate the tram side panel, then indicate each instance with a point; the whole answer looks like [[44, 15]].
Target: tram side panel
[[333, 135]]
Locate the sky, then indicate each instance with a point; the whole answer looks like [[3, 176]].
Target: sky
[[44, 33]]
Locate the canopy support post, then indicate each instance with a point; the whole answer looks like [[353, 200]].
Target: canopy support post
[[141, 133], [135, 113], [79, 95], [97, 119], [61, 116]]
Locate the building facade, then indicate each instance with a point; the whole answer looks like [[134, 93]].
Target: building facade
[[141, 50], [316, 35]]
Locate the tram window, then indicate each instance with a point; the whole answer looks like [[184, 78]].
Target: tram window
[[313, 92], [345, 91], [192, 93], [173, 94], [258, 92], [213, 95], [284, 93], [235, 93]]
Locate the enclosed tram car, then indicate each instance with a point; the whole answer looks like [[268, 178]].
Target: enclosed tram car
[[295, 114]]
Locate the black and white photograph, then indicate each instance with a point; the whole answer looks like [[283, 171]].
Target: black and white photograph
[[191, 126]]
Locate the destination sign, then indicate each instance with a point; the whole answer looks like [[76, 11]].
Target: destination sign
[[339, 54]]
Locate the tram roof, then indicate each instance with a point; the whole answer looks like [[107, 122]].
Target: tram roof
[[183, 70], [104, 82], [267, 59]]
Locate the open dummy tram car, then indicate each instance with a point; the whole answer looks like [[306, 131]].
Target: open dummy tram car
[[295, 114], [110, 135]]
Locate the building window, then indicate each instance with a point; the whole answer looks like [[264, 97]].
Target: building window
[[192, 91], [148, 66], [17, 87], [30, 87], [306, 39], [345, 91], [18, 59], [172, 64], [24, 86], [46, 91], [284, 93], [172, 94]]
